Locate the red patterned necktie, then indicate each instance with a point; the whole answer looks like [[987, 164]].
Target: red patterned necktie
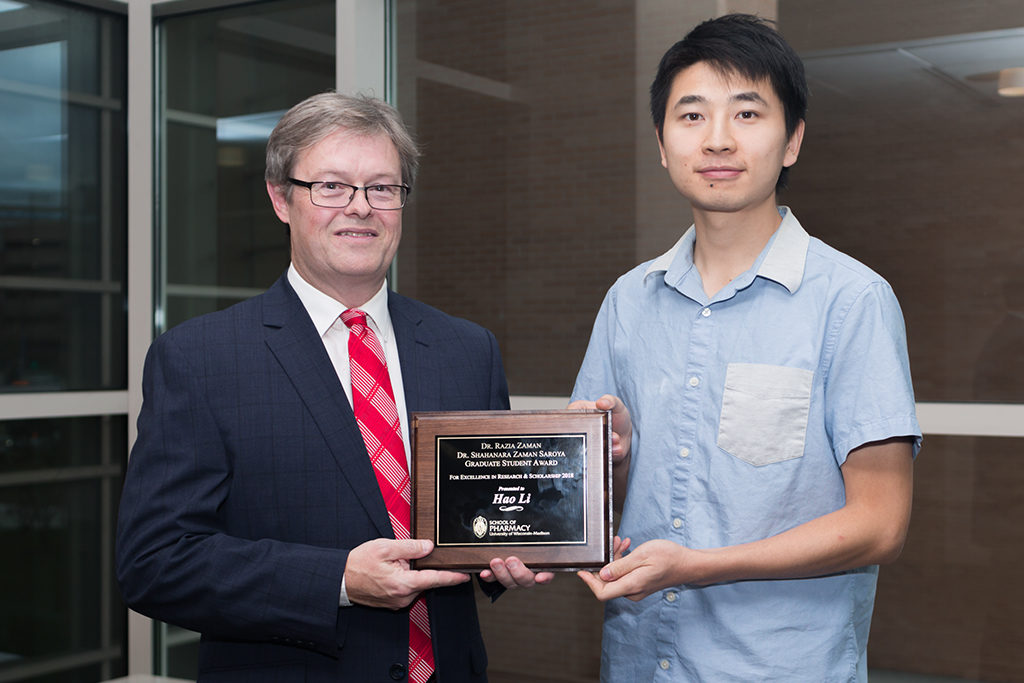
[[373, 403]]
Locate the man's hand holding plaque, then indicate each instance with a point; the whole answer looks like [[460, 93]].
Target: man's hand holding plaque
[[511, 573]]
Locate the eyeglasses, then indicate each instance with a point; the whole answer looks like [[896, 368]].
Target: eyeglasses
[[332, 195]]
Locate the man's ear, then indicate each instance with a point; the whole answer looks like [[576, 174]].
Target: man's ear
[[793, 146], [661, 148], [278, 200]]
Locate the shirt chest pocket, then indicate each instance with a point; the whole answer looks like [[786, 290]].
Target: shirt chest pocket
[[764, 412]]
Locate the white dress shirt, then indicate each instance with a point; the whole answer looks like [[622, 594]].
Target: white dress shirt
[[325, 312]]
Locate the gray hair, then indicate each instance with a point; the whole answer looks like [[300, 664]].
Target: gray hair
[[316, 117]]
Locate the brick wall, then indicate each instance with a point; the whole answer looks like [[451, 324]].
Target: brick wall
[[524, 207]]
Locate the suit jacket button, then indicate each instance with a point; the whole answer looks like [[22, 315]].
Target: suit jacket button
[[397, 672]]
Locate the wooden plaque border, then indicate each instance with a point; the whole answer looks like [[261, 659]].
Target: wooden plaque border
[[501, 424]]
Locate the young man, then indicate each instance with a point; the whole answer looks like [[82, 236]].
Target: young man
[[266, 503], [761, 395]]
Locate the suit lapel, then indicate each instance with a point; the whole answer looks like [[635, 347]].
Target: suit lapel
[[293, 340], [420, 374]]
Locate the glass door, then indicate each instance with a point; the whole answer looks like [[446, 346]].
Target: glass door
[[63, 404], [225, 77]]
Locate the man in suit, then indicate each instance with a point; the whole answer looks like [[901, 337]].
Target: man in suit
[[251, 510]]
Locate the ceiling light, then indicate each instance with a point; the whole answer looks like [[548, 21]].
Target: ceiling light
[[1011, 82]]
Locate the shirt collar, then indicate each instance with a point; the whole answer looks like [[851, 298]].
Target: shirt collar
[[683, 250], [787, 253], [782, 260], [324, 310]]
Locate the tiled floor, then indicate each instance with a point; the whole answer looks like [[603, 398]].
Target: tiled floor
[[874, 676], [877, 676]]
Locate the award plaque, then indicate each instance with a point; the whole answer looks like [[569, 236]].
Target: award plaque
[[533, 484]]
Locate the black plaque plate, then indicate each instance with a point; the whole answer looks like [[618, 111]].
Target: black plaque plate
[[533, 484]]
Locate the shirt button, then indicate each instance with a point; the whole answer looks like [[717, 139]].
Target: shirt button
[[664, 665], [706, 312], [676, 523], [671, 596], [694, 381], [684, 452]]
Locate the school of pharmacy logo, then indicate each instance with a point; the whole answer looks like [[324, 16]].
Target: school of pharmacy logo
[[480, 527]]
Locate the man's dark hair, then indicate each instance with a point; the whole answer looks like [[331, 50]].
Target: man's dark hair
[[743, 45]]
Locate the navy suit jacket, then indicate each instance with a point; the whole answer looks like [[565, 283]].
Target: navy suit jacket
[[249, 483]]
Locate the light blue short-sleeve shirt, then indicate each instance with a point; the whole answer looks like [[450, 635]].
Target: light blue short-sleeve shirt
[[744, 407]]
